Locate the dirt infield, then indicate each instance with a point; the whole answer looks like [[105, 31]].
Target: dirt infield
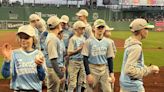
[[152, 83], [8, 37]]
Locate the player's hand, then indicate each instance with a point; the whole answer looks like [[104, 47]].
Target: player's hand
[[6, 51], [63, 69], [90, 79], [112, 77], [62, 80], [39, 60], [80, 47], [154, 69]]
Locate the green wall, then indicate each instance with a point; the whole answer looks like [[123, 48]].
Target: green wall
[[24, 11]]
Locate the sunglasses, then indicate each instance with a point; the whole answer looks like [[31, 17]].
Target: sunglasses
[[101, 27]]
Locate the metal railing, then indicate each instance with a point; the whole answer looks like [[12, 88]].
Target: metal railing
[[5, 25]]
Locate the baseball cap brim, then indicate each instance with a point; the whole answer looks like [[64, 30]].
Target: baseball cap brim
[[25, 33], [149, 26], [26, 29], [110, 29], [78, 14], [107, 28], [52, 25]]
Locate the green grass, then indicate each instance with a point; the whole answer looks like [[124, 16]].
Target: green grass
[[118, 60], [121, 34], [11, 30], [154, 57], [154, 39], [4, 31]]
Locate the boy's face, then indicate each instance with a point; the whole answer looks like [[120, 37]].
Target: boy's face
[[25, 40], [36, 23], [63, 25], [80, 30], [144, 33], [100, 30], [81, 18]]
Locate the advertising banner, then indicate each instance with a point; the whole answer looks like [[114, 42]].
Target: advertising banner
[[159, 25]]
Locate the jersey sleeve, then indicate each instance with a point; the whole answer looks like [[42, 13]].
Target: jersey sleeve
[[114, 47], [52, 49], [71, 45], [110, 51], [8, 67], [89, 29], [85, 50]]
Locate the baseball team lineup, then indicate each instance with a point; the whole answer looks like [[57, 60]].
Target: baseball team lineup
[[77, 57]]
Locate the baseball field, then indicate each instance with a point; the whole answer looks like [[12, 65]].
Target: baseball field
[[153, 48]]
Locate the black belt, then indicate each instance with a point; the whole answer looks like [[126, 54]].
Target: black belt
[[23, 90]]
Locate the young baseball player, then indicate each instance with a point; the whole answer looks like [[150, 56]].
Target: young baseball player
[[133, 67], [34, 22], [76, 59], [43, 32], [67, 34], [42, 27], [98, 57], [67, 31], [55, 75], [26, 64], [62, 53], [83, 15], [108, 34], [60, 60]]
